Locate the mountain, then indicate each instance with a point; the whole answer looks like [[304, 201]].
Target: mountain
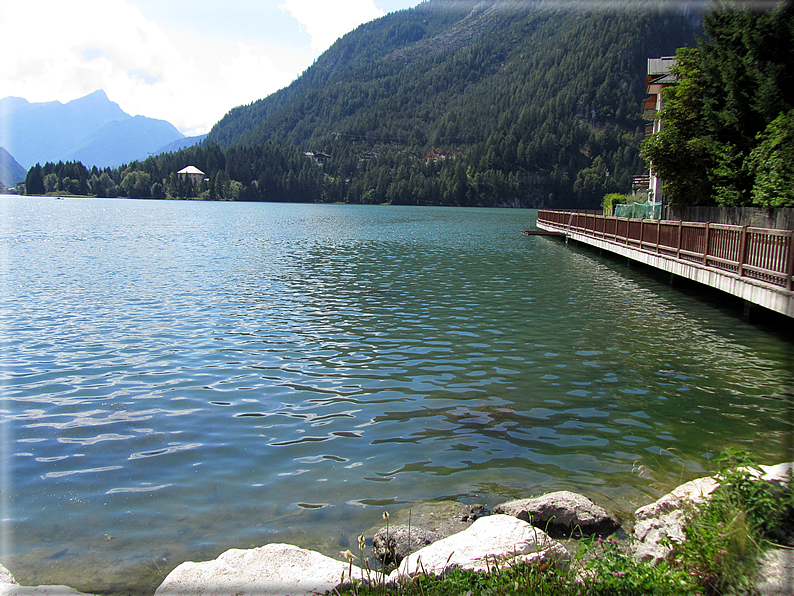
[[92, 129], [122, 141], [541, 96], [181, 144], [10, 170]]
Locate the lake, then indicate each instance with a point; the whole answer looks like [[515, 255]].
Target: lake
[[180, 378]]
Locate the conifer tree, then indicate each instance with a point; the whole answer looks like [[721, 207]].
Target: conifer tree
[[728, 92]]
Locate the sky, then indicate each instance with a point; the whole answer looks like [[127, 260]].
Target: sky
[[185, 61]]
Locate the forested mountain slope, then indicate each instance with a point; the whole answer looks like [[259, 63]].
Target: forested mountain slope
[[491, 103], [540, 101]]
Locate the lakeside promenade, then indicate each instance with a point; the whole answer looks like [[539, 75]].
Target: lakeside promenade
[[755, 264]]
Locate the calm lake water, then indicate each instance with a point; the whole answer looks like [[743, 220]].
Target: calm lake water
[[180, 378]]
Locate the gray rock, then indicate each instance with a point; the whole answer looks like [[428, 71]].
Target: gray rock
[[402, 541], [440, 517], [562, 514], [666, 517], [271, 570], [775, 575], [489, 540]]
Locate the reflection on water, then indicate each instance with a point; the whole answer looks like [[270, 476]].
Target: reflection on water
[[183, 378]]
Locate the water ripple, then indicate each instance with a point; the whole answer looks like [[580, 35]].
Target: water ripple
[[235, 374]]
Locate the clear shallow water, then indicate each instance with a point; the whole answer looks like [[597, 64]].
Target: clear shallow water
[[180, 378]]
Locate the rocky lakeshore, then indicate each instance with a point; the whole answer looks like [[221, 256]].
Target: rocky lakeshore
[[539, 530]]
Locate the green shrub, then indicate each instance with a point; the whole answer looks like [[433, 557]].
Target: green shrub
[[615, 572], [613, 199]]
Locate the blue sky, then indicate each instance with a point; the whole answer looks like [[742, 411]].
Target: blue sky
[[188, 62]]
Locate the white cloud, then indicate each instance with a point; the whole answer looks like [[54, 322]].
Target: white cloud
[[327, 21], [55, 50], [65, 50]]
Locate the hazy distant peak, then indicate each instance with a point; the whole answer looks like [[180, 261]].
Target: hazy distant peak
[[98, 100], [99, 94], [14, 101], [10, 171], [92, 129]]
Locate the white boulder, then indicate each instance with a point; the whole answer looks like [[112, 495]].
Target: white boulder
[[271, 570], [778, 475], [489, 540], [6, 577], [17, 590]]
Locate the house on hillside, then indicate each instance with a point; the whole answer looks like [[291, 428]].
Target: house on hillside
[[319, 157], [438, 155], [657, 79], [369, 156], [191, 173]]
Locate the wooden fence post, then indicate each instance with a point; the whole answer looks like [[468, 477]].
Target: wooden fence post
[[658, 234], [790, 272], [642, 232], [743, 251]]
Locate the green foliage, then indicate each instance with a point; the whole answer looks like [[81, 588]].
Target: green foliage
[[727, 94], [70, 178], [681, 153], [137, 184], [602, 568], [720, 547], [613, 571], [769, 509], [508, 579], [771, 162], [34, 181], [614, 198]]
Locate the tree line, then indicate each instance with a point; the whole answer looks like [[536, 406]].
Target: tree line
[[356, 172]]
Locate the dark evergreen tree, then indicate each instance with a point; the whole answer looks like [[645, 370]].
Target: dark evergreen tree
[[728, 93], [34, 181]]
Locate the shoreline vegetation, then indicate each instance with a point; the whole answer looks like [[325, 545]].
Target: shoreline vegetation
[[726, 537]]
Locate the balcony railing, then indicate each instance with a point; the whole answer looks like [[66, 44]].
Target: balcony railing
[[761, 254]]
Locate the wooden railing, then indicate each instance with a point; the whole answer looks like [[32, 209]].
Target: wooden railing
[[759, 253]]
